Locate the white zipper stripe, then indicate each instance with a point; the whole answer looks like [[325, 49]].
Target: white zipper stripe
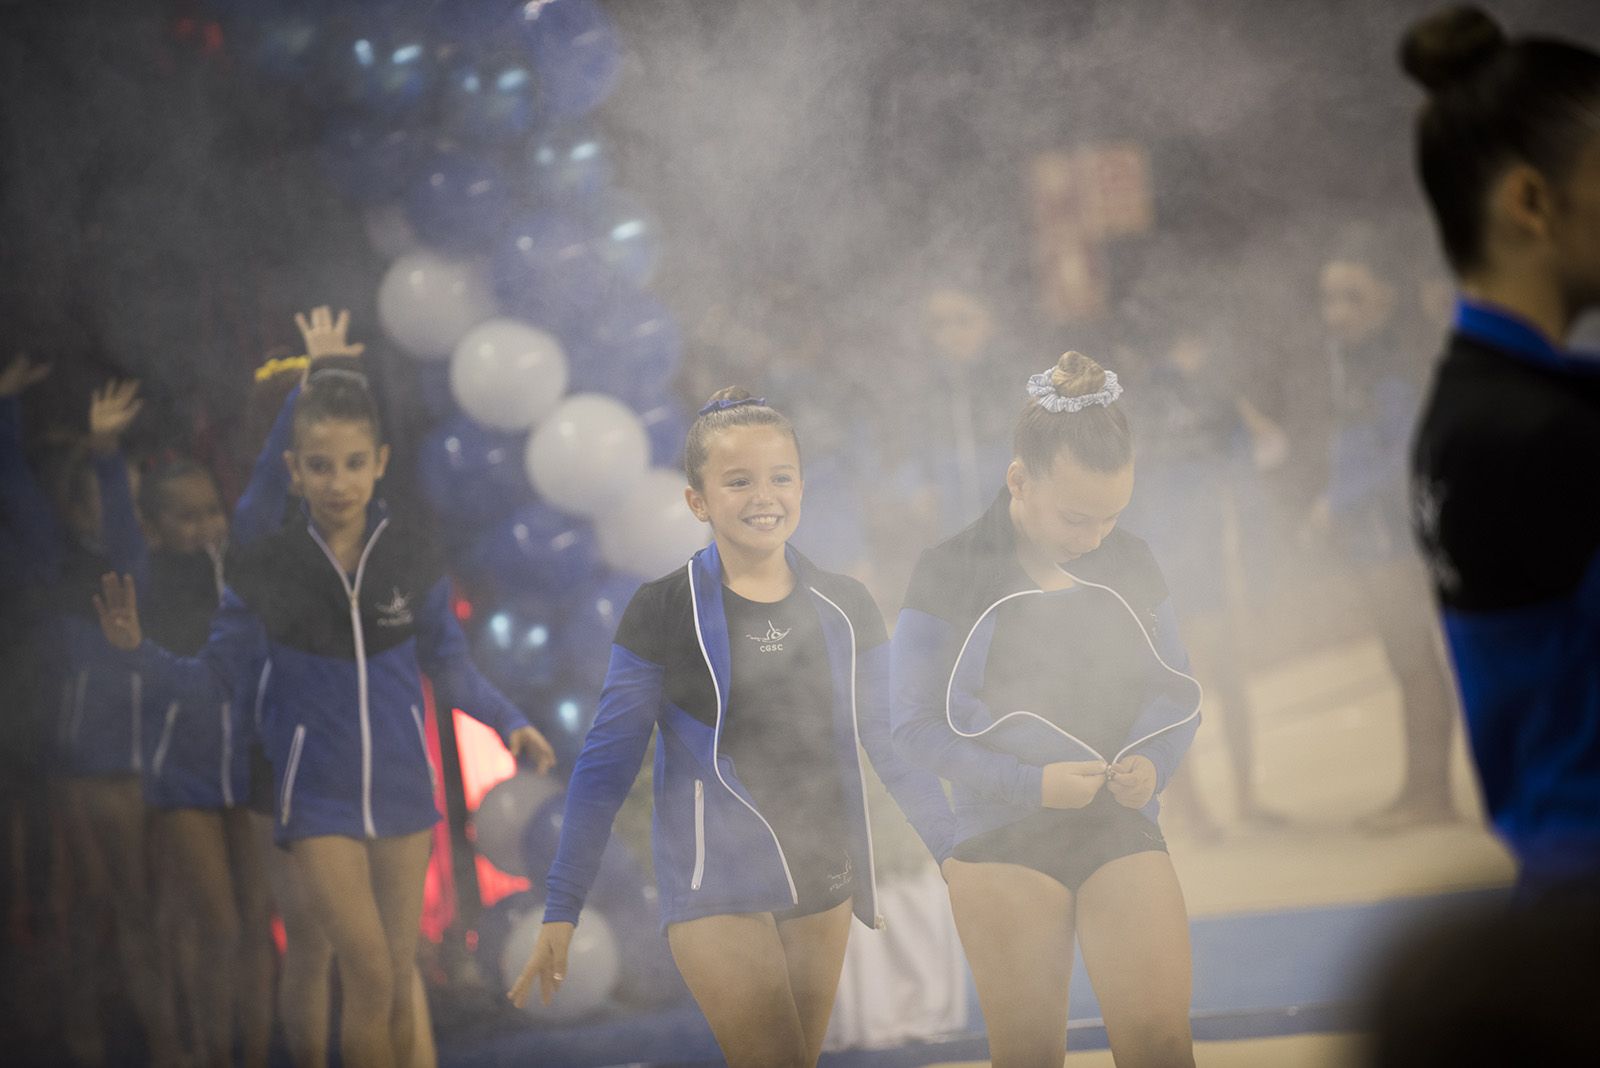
[[159, 761], [353, 589], [427, 757], [699, 835], [855, 726], [286, 802], [261, 691], [955, 668], [227, 754], [136, 731], [716, 736]]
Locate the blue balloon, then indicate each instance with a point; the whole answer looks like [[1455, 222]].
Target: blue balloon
[[387, 69], [568, 165], [432, 379], [472, 476], [616, 880], [457, 200], [565, 715], [548, 271], [514, 645], [370, 163], [668, 427], [589, 625], [537, 549], [627, 238], [474, 25], [631, 349], [575, 52], [491, 102]]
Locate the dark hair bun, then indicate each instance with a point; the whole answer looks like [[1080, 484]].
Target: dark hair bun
[[1448, 46], [1076, 375]]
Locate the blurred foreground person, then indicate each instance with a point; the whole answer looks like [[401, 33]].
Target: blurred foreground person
[[1037, 667], [1506, 465]]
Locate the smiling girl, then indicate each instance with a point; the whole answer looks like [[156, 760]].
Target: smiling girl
[[763, 673]]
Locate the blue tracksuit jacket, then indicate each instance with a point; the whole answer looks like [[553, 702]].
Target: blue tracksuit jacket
[[343, 723], [714, 851]]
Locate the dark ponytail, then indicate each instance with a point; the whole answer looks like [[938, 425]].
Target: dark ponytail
[[1493, 102]]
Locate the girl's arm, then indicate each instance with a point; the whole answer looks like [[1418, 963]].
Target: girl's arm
[[916, 790], [922, 657], [1174, 701], [260, 508], [443, 654], [222, 667], [111, 411], [613, 752]]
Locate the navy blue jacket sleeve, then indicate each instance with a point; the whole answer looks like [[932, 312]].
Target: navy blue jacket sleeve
[[916, 790], [923, 655], [1174, 710], [260, 507], [613, 752], [28, 514], [119, 521], [224, 666], [443, 654]]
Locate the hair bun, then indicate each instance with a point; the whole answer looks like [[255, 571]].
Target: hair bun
[[1076, 375], [727, 395], [1447, 47]]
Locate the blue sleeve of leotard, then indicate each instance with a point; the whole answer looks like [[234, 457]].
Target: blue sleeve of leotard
[[443, 654], [125, 546], [916, 790], [1174, 710], [224, 666], [260, 508], [613, 751]]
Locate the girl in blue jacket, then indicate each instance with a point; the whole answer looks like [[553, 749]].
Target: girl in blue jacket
[[762, 673], [1037, 667], [99, 745], [352, 607], [1506, 459]]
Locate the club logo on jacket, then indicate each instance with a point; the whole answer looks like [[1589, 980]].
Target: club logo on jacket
[[396, 612], [1427, 503], [772, 640]]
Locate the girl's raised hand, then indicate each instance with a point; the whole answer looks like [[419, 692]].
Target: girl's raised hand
[[528, 742], [111, 410], [547, 963], [1072, 783], [1132, 781], [325, 335], [118, 606], [21, 373]]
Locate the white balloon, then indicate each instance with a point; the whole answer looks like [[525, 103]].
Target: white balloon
[[593, 965], [508, 375], [652, 531], [427, 302], [389, 231], [499, 824], [588, 455]]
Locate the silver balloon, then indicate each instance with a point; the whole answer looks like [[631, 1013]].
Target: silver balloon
[[427, 302], [588, 455], [508, 375]]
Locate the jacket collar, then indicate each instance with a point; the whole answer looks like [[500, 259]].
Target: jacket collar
[[1494, 326]]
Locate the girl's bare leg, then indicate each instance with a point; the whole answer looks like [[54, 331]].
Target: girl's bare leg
[[737, 970]]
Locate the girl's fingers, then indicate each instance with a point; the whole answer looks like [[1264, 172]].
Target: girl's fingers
[[342, 323], [302, 324]]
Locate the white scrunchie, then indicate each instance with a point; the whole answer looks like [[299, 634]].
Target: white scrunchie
[[1042, 389]]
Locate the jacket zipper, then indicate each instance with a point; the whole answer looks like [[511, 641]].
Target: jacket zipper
[[227, 754], [286, 803], [855, 727], [955, 668], [136, 733], [699, 834], [353, 590], [427, 757], [159, 761], [716, 736]]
